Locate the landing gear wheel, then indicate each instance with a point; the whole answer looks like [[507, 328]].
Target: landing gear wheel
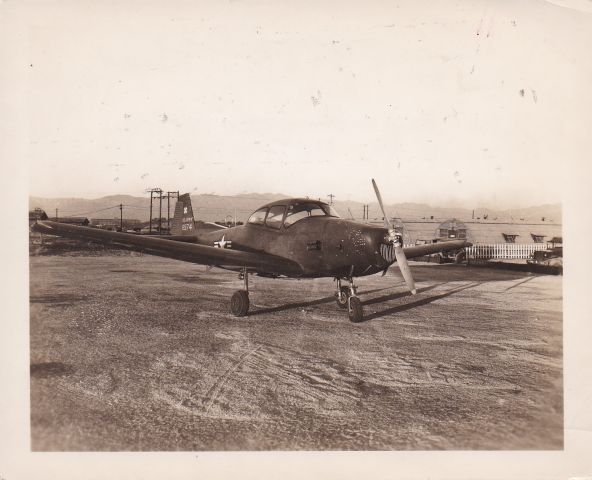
[[239, 303], [354, 310], [342, 300]]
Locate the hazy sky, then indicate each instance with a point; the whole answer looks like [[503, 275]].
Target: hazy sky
[[477, 103]]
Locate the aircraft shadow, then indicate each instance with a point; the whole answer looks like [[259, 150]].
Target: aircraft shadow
[[394, 296], [418, 303], [311, 303]]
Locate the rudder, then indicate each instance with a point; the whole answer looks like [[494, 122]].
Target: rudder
[[183, 221]]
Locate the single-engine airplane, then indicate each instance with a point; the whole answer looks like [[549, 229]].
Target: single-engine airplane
[[296, 238]]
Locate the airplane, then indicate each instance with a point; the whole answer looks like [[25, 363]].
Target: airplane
[[293, 237]]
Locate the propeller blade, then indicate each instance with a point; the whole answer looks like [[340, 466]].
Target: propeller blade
[[379, 197], [405, 270], [399, 253]]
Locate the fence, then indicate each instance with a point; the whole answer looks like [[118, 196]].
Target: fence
[[504, 250]]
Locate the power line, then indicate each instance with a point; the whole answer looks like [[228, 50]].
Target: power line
[[94, 211]]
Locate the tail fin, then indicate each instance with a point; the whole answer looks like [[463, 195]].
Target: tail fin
[[183, 222]]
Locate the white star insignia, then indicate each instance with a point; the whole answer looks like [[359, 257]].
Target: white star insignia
[[223, 243]]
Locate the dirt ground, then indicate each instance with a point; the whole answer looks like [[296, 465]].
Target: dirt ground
[[132, 352]]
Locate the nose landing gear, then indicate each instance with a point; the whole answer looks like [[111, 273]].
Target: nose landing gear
[[346, 297]]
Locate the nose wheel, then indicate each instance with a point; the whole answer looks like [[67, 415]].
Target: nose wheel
[[341, 297], [346, 297]]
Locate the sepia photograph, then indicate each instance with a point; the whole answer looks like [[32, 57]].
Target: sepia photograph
[[298, 231]]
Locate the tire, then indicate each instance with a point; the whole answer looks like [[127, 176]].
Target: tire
[[354, 310], [239, 303], [345, 296]]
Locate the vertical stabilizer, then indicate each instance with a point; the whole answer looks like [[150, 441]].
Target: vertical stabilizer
[[183, 222]]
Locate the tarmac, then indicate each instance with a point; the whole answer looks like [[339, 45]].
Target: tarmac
[[131, 352]]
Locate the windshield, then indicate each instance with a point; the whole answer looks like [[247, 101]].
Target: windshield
[[300, 211], [258, 217]]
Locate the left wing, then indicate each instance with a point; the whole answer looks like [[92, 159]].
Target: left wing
[[420, 250], [188, 252]]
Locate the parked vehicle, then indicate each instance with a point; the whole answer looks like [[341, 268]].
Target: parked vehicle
[[551, 257]]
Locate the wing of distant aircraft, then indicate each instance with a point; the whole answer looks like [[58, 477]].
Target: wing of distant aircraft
[[189, 252], [428, 249]]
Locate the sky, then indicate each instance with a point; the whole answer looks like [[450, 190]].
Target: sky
[[475, 103]]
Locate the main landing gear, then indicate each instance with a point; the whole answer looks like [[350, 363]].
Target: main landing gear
[[239, 303], [346, 298]]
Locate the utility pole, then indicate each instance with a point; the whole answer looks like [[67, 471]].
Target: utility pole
[[160, 212], [121, 217], [168, 197], [154, 191], [150, 219], [56, 214], [331, 198]]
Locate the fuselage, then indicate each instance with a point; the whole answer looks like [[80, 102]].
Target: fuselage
[[323, 245]]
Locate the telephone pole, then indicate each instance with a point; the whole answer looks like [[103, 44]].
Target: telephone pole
[[331, 198], [56, 214], [168, 197], [155, 193], [121, 217], [160, 213]]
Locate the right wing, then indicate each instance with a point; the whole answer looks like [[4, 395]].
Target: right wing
[[187, 252]]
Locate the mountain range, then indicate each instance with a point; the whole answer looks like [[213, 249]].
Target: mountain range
[[209, 207]]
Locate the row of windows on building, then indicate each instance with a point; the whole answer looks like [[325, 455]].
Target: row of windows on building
[[461, 233]]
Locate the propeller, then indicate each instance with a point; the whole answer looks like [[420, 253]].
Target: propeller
[[397, 244]]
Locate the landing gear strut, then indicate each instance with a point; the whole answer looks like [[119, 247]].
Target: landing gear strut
[[346, 296], [239, 303]]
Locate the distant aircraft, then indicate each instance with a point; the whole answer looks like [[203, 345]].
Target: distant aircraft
[[296, 238]]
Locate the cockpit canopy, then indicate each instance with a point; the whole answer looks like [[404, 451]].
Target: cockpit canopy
[[290, 212]]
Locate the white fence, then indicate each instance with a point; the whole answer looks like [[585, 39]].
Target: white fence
[[504, 250]]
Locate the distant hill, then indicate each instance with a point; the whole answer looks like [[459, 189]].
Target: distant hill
[[209, 207]]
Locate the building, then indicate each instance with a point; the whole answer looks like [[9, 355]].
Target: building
[[477, 232]]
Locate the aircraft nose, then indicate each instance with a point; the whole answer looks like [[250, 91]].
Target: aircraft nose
[[378, 247]]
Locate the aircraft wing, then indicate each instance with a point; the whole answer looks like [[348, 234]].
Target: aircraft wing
[[188, 252], [420, 250]]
